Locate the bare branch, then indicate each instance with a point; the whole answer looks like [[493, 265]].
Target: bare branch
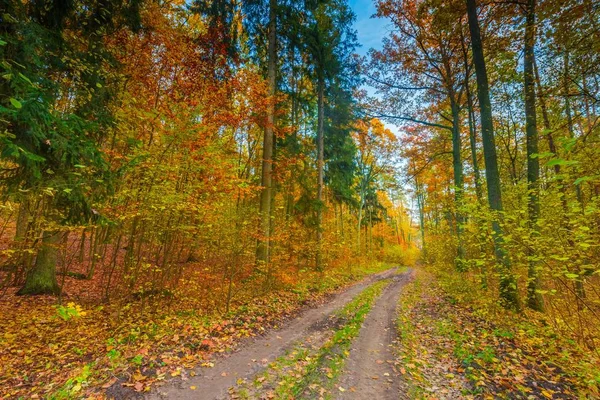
[[410, 119], [399, 87]]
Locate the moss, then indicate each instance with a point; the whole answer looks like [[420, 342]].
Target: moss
[[42, 278]]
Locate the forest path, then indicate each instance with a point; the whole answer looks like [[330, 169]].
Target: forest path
[[369, 371], [253, 356]]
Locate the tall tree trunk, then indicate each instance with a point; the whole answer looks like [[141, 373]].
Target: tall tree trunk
[[342, 221], [569, 113], [471, 121], [458, 181], [41, 279], [421, 207], [476, 172], [263, 245], [22, 221], [23, 257], [320, 165], [534, 298], [567, 93], [360, 211], [473, 142], [545, 119], [508, 285]]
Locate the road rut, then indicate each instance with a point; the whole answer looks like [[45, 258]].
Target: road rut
[[369, 372]]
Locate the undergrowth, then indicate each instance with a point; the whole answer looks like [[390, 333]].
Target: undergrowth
[[454, 343], [531, 330]]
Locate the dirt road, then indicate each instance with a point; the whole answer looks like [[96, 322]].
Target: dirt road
[[310, 327]]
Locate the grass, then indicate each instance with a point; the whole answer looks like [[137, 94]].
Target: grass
[[331, 357]]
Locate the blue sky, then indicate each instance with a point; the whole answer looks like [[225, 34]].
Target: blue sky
[[370, 30]]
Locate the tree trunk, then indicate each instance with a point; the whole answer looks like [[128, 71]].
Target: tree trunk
[[579, 288], [473, 142], [360, 210], [342, 221], [569, 114], [263, 245], [320, 165], [476, 172], [471, 120], [22, 221], [458, 182], [42, 277], [421, 207], [534, 298], [508, 285], [22, 261]]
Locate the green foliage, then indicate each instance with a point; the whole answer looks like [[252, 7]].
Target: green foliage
[[73, 387], [70, 311]]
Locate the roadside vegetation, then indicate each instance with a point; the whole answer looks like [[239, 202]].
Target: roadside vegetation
[[456, 344], [179, 175]]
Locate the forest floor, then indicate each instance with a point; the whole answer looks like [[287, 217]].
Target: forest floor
[[397, 334], [124, 348], [452, 349]]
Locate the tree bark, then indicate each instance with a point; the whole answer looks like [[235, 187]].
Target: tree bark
[[534, 298], [458, 181], [22, 261], [359, 224], [263, 245], [421, 207], [41, 279], [473, 142], [320, 165], [508, 285], [471, 121]]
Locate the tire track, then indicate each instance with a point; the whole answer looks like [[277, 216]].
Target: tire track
[[369, 370]]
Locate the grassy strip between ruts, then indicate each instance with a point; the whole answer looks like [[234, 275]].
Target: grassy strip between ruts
[[307, 372]]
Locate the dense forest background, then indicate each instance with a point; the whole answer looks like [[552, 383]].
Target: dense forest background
[[139, 138], [198, 157], [185, 157]]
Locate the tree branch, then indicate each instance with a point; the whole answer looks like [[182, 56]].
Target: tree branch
[[399, 87], [410, 119]]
